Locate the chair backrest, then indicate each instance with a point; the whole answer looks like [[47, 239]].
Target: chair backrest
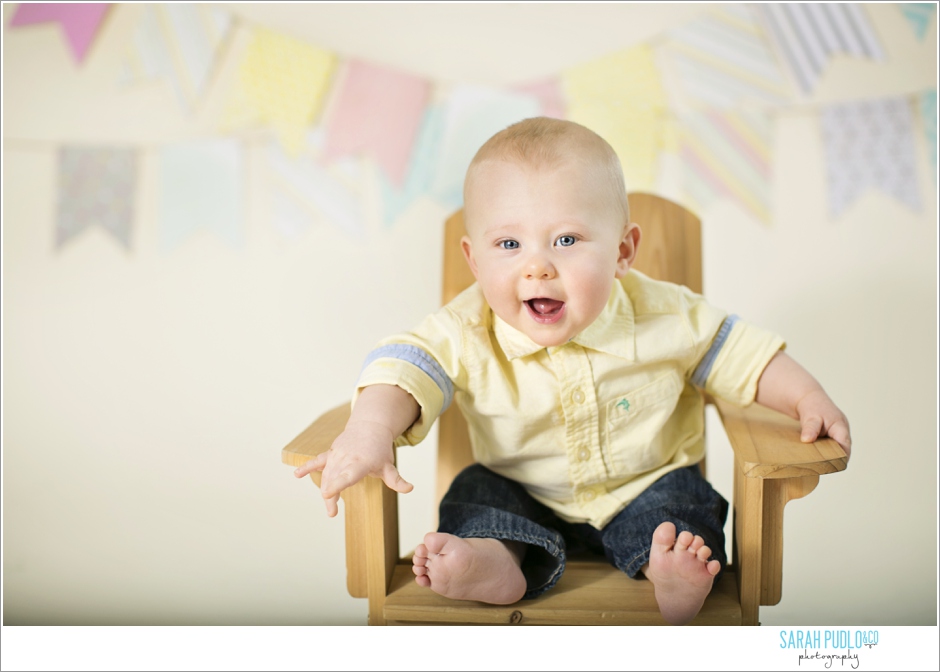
[[670, 249]]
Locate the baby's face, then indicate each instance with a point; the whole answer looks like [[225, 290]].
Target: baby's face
[[546, 245]]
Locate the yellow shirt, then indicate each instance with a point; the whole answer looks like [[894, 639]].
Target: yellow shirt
[[588, 425]]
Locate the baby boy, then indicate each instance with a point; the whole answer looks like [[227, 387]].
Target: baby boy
[[580, 382]]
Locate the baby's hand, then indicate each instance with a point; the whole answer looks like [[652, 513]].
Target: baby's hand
[[363, 449], [819, 416]]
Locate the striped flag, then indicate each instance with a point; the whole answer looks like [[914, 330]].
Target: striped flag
[[721, 60], [726, 154], [806, 35], [177, 41]]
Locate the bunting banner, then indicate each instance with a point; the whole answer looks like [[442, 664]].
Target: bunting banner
[[621, 97], [177, 41], [918, 14], [808, 34], [473, 114], [870, 143], [377, 111], [727, 154], [702, 97], [201, 190], [721, 60], [306, 190], [79, 20], [282, 83], [96, 187]]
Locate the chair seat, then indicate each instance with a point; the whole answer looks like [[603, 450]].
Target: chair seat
[[588, 593]]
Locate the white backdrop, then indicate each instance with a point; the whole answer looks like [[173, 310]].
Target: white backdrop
[[146, 395]]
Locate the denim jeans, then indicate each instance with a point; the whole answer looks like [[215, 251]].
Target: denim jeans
[[483, 504]]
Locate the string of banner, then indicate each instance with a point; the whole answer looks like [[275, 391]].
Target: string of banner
[[706, 93]]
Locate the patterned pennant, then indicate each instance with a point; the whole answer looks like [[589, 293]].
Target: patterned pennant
[[378, 111], [870, 143], [721, 60], [808, 34], [178, 41], [918, 14], [621, 98], [726, 154], [282, 82], [421, 170], [472, 115], [304, 187], [79, 20], [201, 189], [97, 186]]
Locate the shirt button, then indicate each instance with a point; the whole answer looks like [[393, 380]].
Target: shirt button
[[577, 396], [589, 496], [584, 454]]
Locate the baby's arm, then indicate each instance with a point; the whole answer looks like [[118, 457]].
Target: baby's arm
[[787, 387], [380, 415]]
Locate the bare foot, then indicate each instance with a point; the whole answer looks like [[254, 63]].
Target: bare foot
[[681, 574], [486, 570]]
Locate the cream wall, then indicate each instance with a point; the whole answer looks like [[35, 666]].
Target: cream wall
[[146, 395]]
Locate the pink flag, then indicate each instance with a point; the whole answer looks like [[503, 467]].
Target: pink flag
[[549, 94], [379, 111], [80, 20]]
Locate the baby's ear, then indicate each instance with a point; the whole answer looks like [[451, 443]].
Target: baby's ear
[[467, 248], [629, 243]]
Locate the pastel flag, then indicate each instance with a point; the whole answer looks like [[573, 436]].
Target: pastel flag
[[421, 169], [722, 60], [869, 143], [472, 115], [377, 110], [178, 41], [927, 102], [621, 98], [726, 154], [550, 94], [96, 187], [282, 83], [304, 188], [79, 20], [807, 35], [200, 190], [918, 14]]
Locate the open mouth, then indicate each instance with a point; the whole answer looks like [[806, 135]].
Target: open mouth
[[545, 311]]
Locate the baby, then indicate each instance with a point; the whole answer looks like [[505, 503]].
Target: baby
[[580, 382]]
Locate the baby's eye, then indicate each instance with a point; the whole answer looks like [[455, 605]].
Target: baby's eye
[[508, 244], [566, 241]]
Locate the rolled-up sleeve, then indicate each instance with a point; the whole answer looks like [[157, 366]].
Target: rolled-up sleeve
[[425, 363], [733, 355]]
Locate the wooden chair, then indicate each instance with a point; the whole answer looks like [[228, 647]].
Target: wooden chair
[[771, 467]]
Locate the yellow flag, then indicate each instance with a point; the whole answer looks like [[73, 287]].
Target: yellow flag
[[282, 82], [621, 98]]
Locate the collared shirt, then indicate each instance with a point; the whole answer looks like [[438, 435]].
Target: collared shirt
[[588, 425]]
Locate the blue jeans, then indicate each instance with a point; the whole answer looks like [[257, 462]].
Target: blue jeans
[[483, 504]]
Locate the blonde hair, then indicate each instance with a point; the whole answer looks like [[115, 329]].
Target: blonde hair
[[543, 141]]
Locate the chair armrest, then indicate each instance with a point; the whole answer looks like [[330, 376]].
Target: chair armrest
[[767, 444], [316, 439], [772, 467], [370, 512]]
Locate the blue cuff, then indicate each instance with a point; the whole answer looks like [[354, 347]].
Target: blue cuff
[[704, 367], [415, 355]]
